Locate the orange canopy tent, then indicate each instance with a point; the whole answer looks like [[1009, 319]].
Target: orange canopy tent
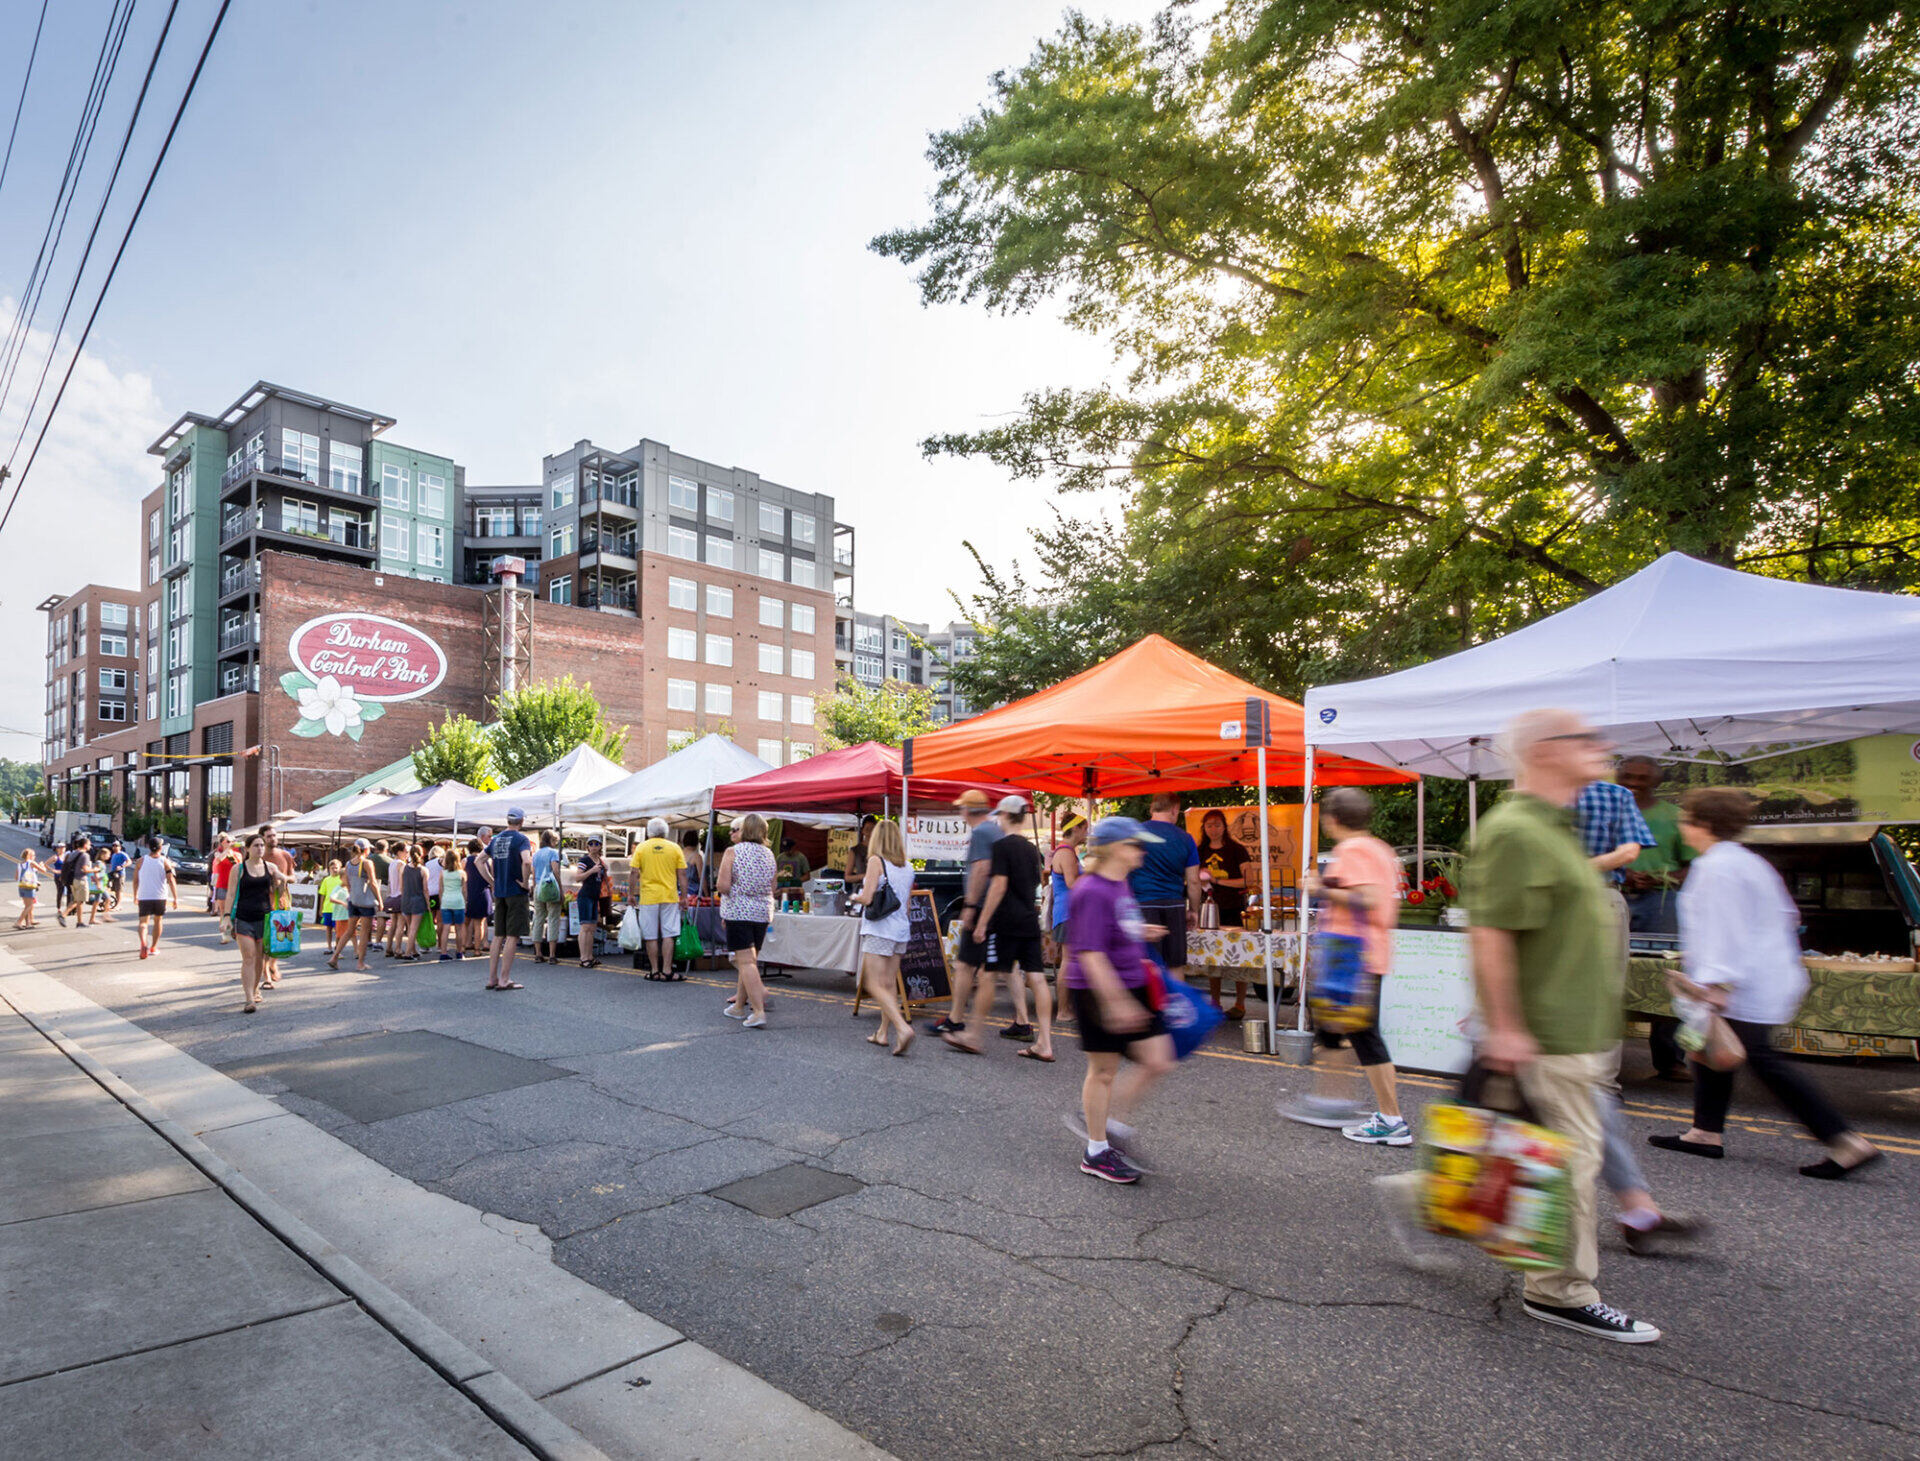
[[1152, 718]]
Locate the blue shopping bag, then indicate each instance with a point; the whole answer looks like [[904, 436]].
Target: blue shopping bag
[[1188, 1014], [1342, 993]]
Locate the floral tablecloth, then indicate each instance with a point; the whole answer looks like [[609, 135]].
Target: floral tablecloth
[[1240, 950], [1849, 1001]]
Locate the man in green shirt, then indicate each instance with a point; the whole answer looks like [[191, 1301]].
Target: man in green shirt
[[1548, 973]]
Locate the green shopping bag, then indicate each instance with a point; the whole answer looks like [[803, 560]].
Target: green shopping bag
[[428, 936], [687, 946]]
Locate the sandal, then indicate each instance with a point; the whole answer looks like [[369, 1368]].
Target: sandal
[[510, 984], [1237, 1012], [878, 1037], [1029, 1053], [954, 1042]]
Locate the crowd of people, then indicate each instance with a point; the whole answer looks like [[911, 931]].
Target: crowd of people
[[1562, 870]]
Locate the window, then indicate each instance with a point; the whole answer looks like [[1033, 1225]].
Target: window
[[867, 636], [112, 643], [300, 455], [493, 522], [180, 542], [719, 505], [153, 705], [771, 706], [719, 700], [772, 611], [179, 494], [433, 494], [770, 752], [114, 680], [803, 664], [560, 590], [803, 618], [683, 496], [683, 543], [430, 546], [113, 710], [153, 568], [802, 574], [680, 694], [113, 616], [394, 538], [530, 521], [560, 540], [802, 528], [772, 564], [395, 486], [719, 601], [868, 668], [800, 709], [773, 519], [719, 551], [561, 491], [343, 467], [771, 658], [179, 697], [153, 530], [799, 751], [683, 644], [299, 517], [683, 593], [899, 641], [719, 649]]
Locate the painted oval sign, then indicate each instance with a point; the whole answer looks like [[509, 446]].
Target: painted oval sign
[[374, 657]]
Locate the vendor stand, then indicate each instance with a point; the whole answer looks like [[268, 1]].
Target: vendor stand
[[1683, 661], [1151, 718]]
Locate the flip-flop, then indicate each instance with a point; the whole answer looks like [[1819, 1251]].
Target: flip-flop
[[1029, 1053], [510, 984], [878, 1037]]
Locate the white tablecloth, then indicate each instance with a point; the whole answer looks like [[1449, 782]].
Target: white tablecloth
[[808, 941]]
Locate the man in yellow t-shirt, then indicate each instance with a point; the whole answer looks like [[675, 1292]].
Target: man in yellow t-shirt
[[657, 864]]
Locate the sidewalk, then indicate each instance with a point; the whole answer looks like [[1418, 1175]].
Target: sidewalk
[[149, 1314]]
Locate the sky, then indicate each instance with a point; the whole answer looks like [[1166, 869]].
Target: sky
[[514, 226]]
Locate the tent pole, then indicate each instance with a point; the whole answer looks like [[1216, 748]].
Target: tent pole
[[1419, 831], [1473, 807], [1309, 845], [1266, 895]]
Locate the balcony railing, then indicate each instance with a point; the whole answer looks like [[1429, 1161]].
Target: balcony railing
[[607, 598], [236, 636], [241, 579], [326, 481], [237, 524], [592, 542]]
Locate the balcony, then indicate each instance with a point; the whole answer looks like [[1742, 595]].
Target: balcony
[[237, 636], [242, 578], [326, 482], [607, 598], [237, 525], [614, 552]]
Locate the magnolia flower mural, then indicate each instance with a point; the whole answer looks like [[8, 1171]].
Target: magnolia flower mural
[[328, 707]]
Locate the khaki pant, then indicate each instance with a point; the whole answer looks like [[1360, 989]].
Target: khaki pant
[[1563, 1090], [550, 923]]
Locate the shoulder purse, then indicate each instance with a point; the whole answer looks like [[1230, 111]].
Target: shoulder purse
[[884, 901]]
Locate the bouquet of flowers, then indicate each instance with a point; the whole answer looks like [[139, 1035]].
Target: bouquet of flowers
[[1435, 895]]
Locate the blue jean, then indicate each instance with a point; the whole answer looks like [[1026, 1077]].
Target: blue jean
[[1619, 1167]]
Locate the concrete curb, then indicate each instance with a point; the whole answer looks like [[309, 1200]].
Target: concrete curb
[[512, 1408]]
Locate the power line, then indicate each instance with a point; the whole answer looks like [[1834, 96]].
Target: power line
[[25, 82], [192, 82], [99, 217], [103, 70]]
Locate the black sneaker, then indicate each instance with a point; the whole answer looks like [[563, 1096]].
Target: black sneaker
[[1601, 1321], [944, 1026], [1109, 1166], [1022, 1033]]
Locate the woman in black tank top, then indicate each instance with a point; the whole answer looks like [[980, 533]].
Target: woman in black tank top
[[250, 894]]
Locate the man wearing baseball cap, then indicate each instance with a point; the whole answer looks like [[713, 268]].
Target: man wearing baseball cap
[[970, 950], [510, 863], [1008, 935]]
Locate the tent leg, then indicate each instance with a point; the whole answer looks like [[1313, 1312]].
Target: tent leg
[[1473, 807], [1309, 845], [1419, 831], [1266, 898]]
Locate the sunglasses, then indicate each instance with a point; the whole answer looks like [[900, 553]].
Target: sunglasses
[[1593, 736]]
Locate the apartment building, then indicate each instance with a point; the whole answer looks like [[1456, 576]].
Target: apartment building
[[737, 578], [93, 667], [878, 648], [500, 522]]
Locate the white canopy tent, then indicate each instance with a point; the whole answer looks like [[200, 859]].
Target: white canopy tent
[[1683, 659], [679, 787], [326, 821], [548, 796]]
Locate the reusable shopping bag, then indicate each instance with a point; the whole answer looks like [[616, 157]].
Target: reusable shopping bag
[[1188, 1015], [283, 933], [1341, 992], [429, 935], [630, 939], [1494, 1175], [688, 946]]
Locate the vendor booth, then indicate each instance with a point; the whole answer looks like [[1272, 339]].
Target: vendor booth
[[548, 796], [430, 809], [678, 788], [1684, 661], [1151, 718], [323, 822]]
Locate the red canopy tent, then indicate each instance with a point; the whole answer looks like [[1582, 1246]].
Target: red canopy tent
[[1151, 718], [859, 779]]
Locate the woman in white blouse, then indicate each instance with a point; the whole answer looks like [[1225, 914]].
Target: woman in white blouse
[[1739, 938]]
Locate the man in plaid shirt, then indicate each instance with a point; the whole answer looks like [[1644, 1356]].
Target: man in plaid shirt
[[1611, 827]]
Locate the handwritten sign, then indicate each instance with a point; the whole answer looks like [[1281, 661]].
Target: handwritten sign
[[376, 658], [1426, 1001]]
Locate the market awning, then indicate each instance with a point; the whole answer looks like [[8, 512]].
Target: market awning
[[678, 787], [1151, 718], [857, 779]]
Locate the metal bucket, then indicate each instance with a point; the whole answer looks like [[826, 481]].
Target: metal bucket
[[1253, 1037]]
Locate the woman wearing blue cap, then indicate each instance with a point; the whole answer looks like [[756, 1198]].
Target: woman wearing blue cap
[[1111, 985]]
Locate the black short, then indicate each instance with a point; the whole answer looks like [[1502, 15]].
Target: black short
[[744, 933], [969, 950], [1368, 1047], [1005, 950], [1173, 918], [153, 907], [1096, 1038]]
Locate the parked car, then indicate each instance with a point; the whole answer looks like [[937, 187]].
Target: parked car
[[189, 864]]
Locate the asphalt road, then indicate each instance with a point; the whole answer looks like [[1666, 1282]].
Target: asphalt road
[[979, 1296]]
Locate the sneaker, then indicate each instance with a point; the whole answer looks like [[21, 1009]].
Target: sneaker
[[1378, 1130], [1602, 1321], [754, 1022], [1109, 1166], [1329, 1111], [1644, 1242], [1023, 1033], [1399, 1200], [944, 1026], [736, 1012], [1120, 1137]]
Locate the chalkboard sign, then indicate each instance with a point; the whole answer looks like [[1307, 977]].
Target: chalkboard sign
[[924, 976]]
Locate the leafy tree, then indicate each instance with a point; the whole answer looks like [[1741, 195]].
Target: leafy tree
[[542, 723], [889, 714], [457, 749], [1436, 317], [18, 779]]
